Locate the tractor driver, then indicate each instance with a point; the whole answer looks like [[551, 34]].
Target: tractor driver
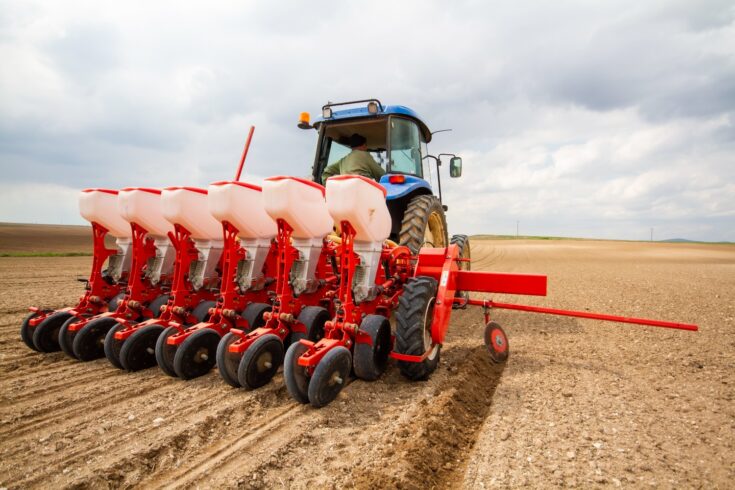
[[357, 162]]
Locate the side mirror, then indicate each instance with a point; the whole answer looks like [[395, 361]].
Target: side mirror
[[455, 167]]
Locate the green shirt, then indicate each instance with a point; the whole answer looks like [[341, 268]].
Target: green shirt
[[357, 162]]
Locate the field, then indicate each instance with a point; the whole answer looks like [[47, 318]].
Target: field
[[579, 403]]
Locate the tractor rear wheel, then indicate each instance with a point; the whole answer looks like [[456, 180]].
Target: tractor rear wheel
[[413, 331], [166, 353], [89, 343], [295, 376], [139, 350], [228, 362], [330, 376], [313, 318], [46, 333], [260, 362], [197, 354], [463, 242], [423, 223], [370, 361]]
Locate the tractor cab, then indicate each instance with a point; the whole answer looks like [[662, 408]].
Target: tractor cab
[[396, 139]]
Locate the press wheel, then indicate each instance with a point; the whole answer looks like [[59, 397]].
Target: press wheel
[[89, 343], [197, 354], [228, 362], [165, 353], [260, 362], [295, 376], [139, 350], [330, 376]]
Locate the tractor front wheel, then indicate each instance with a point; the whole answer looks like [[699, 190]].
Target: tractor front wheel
[[423, 223], [413, 332]]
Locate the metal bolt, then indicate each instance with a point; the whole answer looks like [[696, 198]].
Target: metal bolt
[[205, 357], [338, 380], [268, 364], [150, 351]]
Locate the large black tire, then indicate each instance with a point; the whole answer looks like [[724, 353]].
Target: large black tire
[[201, 311], [165, 353], [197, 354], [260, 362], [330, 376], [370, 361], [89, 342], [66, 337], [295, 376], [423, 223], [313, 318], [228, 362], [46, 333], [253, 314], [139, 350], [413, 327], [26, 330], [463, 242], [157, 303]]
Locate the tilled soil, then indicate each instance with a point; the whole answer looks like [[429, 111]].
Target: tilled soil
[[579, 402]]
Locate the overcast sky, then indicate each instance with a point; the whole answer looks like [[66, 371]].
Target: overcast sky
[[589, 119]]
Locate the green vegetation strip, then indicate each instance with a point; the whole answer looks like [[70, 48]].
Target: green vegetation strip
[[45, 254]]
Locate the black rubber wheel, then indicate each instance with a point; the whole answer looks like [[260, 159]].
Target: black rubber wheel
[[295, 376], [89, 342], [370, 361], [157, 303], [496, 342], [260, 362], [463, 242], [139, 350], [114, 346], [413, 327], [46, 333], [166, 353], [228, 362], [201, 311], [313, 318], [197, 354], [66, 337], [115, 301], [253, 314], [26, 330], [423, 223], [330, 376]]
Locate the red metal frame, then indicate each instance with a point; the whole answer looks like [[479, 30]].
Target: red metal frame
[[139, 292], [98, 292], [283, 318], [224, 316], [183, 298]]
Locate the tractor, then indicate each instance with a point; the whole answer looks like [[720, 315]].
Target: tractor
[[397, 139]]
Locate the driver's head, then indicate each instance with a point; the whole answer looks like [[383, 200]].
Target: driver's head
[[358, 142]]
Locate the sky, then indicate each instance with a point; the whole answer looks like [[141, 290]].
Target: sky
[[601, 119]]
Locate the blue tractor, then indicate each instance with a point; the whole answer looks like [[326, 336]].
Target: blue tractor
[[397, 139]]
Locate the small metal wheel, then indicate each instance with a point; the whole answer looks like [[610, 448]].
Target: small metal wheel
[[313, 318], [26, 330], [253, 314], [201, 311], [496, 342], [197, 354], [46, 333], [330, 376], [260, 362], [370, 361], [66, 337], [89, 343], [113, 346], [295, 376], [165, 353], [228, 362], [139, 350]]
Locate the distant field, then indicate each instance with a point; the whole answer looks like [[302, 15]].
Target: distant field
[[23, 240]]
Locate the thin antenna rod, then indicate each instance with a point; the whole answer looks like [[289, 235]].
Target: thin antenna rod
[[245, 153]]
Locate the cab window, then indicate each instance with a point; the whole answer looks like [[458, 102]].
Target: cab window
[[405, 147]]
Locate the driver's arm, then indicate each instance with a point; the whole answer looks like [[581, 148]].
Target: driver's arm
[[331, 171]]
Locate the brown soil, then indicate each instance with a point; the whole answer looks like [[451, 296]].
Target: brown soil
[[20, 237], [579, 402]]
